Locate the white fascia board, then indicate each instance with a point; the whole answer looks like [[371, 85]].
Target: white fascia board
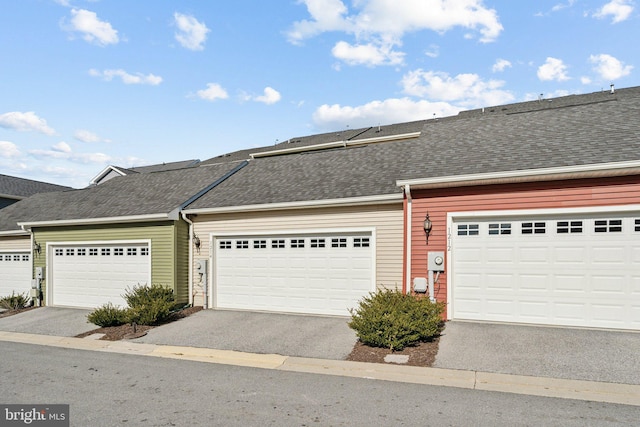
[[104, 172], [299, 149], [384, 138], [14, 233], [565, 172], [352, 201], [336, 144], [95, 221]]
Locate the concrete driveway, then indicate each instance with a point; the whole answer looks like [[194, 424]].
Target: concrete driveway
[[580, 354], [62, 322], [267, 333]]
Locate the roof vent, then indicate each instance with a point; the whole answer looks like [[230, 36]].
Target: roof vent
[[613, 88]]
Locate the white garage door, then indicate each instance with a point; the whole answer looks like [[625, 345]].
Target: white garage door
[[91, 275], [319, 274], [582, 270], [15, 273]]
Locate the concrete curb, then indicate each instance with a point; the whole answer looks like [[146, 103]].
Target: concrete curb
[[626, 394]]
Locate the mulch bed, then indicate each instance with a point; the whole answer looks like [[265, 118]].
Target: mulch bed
[[423, 354], [117, 333], [16, 311]]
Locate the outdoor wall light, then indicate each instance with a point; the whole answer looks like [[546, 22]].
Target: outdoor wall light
[[196, 242], [36, 247], [427, 225]]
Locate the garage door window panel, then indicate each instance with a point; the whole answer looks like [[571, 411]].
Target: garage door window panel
[[569, 227], [534, 228], [608, 226], [496, 229], [468, 229]]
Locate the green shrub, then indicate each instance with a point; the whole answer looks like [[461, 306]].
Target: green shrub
[[149, 305], [14, 301], [395, 320], [108, 315]]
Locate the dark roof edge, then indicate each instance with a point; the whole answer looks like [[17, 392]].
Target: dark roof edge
[[211, 186]]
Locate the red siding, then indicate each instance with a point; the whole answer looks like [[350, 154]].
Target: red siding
[[558, 194]]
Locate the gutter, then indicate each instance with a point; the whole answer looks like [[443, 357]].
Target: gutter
[[94, 221], [352, 201], [14, 233], [599, 170]]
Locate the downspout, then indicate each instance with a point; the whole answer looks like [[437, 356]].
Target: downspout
[[192, 199], [408, 228], [190, 275]]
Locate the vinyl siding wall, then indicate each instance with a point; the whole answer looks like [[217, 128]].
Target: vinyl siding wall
[[164, 236], [387, 220], [15, 243], [560, 194]]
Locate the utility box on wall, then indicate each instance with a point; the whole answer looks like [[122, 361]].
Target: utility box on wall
[[435, 261]]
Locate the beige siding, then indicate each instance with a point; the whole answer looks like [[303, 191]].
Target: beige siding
[[15, 243], [164, 255], [386, 220]]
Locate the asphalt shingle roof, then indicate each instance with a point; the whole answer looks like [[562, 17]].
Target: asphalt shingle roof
[[20, 187], [138, 194], [574, 130]]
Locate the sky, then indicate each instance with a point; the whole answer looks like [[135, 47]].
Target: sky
[[89, 83]]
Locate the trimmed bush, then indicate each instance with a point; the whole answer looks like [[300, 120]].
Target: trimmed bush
[[394, 320], [149, 305], [108, 315], [14, 301]]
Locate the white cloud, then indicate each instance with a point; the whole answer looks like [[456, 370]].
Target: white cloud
[[433, 52], [28, 121], [608, 67], [379, 25], [93, 30], [129, 79], [561, 6], [395, 110], [367, 54], [191, 33], [62, 147], [553, 69], [619, 10], [271, 96], [63, 151], [467, 90], [87, 136], [212, 92], [501, 65], [9, 149]]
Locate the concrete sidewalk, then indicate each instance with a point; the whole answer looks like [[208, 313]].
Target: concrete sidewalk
[[549, 387]]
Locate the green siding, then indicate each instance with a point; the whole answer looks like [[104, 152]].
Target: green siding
[[169, 247]]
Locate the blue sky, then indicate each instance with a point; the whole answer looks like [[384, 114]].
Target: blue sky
[[89, 83]]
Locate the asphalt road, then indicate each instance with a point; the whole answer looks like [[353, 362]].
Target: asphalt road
[[106, 389]]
